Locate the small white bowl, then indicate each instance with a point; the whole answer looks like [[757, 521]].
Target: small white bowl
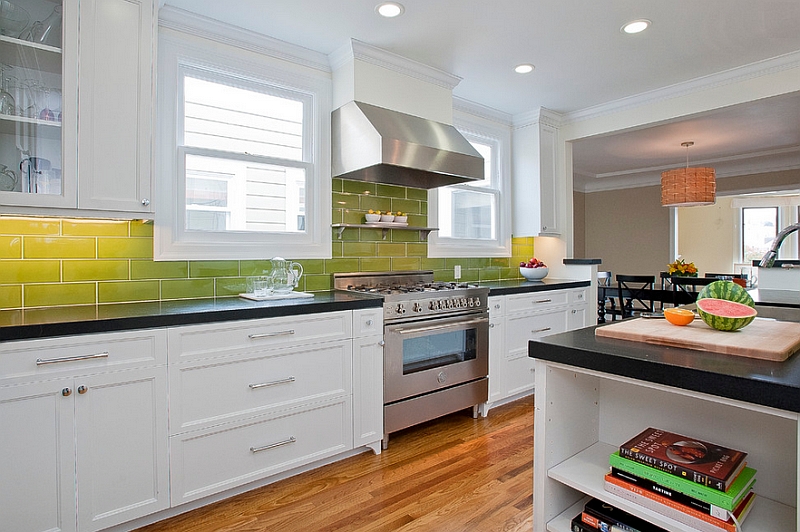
[[401, 219], [387, 218], [533, 274], [373, 217]]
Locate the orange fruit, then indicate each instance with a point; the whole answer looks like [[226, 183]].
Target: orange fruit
[[679, 316]]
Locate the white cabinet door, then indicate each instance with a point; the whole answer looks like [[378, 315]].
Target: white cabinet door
[[117, 50], [497, 351], [368, 392], [37, 457], [122, 456]]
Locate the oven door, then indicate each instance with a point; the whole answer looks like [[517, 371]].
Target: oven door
[[427, 355]]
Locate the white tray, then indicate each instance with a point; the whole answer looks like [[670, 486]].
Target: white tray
[[287, 295]]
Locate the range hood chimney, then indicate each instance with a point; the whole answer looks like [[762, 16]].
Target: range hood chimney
[[379, 145]]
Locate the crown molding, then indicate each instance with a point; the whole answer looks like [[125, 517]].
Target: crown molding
[[481, 111], [735, 75], [390, 61], [207, 28], [542, 115]]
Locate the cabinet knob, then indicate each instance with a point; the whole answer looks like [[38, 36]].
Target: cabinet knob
[[82, 389], [66, 392], [146, 202], [369, 323], [491, 325], [381, 343]]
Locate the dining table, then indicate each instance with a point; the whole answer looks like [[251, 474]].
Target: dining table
[[662, 296]]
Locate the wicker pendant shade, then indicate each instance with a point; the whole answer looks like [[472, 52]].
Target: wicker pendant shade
[[688, 187]]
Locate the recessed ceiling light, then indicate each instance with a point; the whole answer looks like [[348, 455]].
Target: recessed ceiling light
[[389, 9], [636, 26], [524, 68]]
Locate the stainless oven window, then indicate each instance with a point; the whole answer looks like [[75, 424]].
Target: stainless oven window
[[438, 349]]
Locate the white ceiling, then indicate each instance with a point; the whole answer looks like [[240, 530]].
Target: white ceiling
[[582, 60]]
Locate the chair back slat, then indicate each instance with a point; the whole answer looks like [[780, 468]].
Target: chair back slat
[[636, 294]]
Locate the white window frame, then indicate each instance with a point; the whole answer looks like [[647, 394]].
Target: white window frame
[[181, 53], [498, 183], [788, 213]]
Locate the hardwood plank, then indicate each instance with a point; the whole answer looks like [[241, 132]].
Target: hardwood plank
[[452, 474]]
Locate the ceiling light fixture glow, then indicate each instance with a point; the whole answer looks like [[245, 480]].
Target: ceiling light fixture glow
[[390, 9], [524, 68], [636, 26]]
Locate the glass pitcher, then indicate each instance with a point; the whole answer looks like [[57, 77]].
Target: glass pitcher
[[285, 275]]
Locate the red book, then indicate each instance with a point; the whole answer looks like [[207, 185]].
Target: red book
[[702, 462]]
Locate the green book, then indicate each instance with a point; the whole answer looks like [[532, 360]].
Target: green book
[[724, 499]]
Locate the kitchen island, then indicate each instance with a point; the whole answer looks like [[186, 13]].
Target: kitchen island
[[592, 394]]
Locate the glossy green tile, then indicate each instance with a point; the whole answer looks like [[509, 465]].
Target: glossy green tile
[[336, 184], [375, 203], [489, 274], [11, 296], [350, 234], [230, 286], [469, 276], [336, 251], [124, 248], [121, 291], [376, 264], [417, 249], [443, 275], [391, 249], [423, 208], [341, 265], [187, 288], [359, 187], [417, 220], [451, 263], [478, 263], [353, 216], [254, 267], [337, 216], [433, 264], [405, 236], [405, 263], [406, 206], [94, 270], [500, 262], [148, 269], [94, 227], [359, 249], [371, 235], [17, 225], [318, 282], [30, 271], [391, 191], [214, 268], [345, 201], [312, 266], [142, 228], [10, 247], [46, 295], [417, 194], [52, 247]]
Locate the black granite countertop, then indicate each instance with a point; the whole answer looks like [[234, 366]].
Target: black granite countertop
[[521, 286], [63, 321], [762, 382]]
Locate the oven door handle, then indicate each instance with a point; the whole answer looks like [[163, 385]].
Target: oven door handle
[[445, 326]]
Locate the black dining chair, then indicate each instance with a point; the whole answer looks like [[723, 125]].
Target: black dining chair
[[636, 294], [685, 289], [606, 302]]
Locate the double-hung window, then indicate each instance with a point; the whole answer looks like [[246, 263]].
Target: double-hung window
[[473, 218], [242, 172]]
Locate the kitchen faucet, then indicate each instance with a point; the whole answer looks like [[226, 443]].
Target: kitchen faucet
[[769, 257]]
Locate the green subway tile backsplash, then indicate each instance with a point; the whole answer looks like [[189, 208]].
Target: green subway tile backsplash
[[50, 261]]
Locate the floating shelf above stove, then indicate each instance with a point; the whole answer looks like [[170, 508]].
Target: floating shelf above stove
[[423, 231]]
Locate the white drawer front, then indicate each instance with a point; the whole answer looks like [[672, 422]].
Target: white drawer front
[[578, 296], [217, 460], [523, 328], [214, 339], [83, 354], [367, 322], [535, 301], [496, 306], [208, 393], [520, 373]]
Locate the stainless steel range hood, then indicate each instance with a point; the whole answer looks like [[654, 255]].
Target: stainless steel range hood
[[370, 143]]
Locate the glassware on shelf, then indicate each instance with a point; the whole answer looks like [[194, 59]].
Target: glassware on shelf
[[35, 177], [7, 104], [8, 178], [47, 31], [13, 19]]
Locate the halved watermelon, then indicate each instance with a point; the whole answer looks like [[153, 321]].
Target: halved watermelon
[[727, 290], [725, 315]]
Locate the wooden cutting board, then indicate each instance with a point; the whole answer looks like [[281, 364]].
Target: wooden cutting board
[[764, 338]]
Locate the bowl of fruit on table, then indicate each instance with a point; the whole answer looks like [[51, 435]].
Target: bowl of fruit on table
[[533, 269]]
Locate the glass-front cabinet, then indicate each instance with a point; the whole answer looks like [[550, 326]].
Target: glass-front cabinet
[[37, 102]]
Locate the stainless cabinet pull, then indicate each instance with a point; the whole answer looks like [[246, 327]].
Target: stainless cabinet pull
[[267, 335], [291, 439], [44, 361], [437, 327], [541, 301], [272, 383], [540, 330], [66, 392], [82, 389]]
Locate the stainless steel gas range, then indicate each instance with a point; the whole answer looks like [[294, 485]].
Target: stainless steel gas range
[[436, 353]]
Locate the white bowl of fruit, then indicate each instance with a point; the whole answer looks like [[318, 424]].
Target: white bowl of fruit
[[533, 269]]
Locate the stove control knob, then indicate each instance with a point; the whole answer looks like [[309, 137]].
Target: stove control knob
[[401, 309], [450, 303], [417, 307], [433, 305], [471, 302], [441, 377], [477, 302], [443, 304], [464, 302]]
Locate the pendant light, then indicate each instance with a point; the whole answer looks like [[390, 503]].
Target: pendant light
[[688, 187]]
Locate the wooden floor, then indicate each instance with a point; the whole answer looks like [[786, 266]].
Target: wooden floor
[[454, 474]]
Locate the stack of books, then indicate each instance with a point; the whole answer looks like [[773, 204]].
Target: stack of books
[[705, 486], [601, 516]]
